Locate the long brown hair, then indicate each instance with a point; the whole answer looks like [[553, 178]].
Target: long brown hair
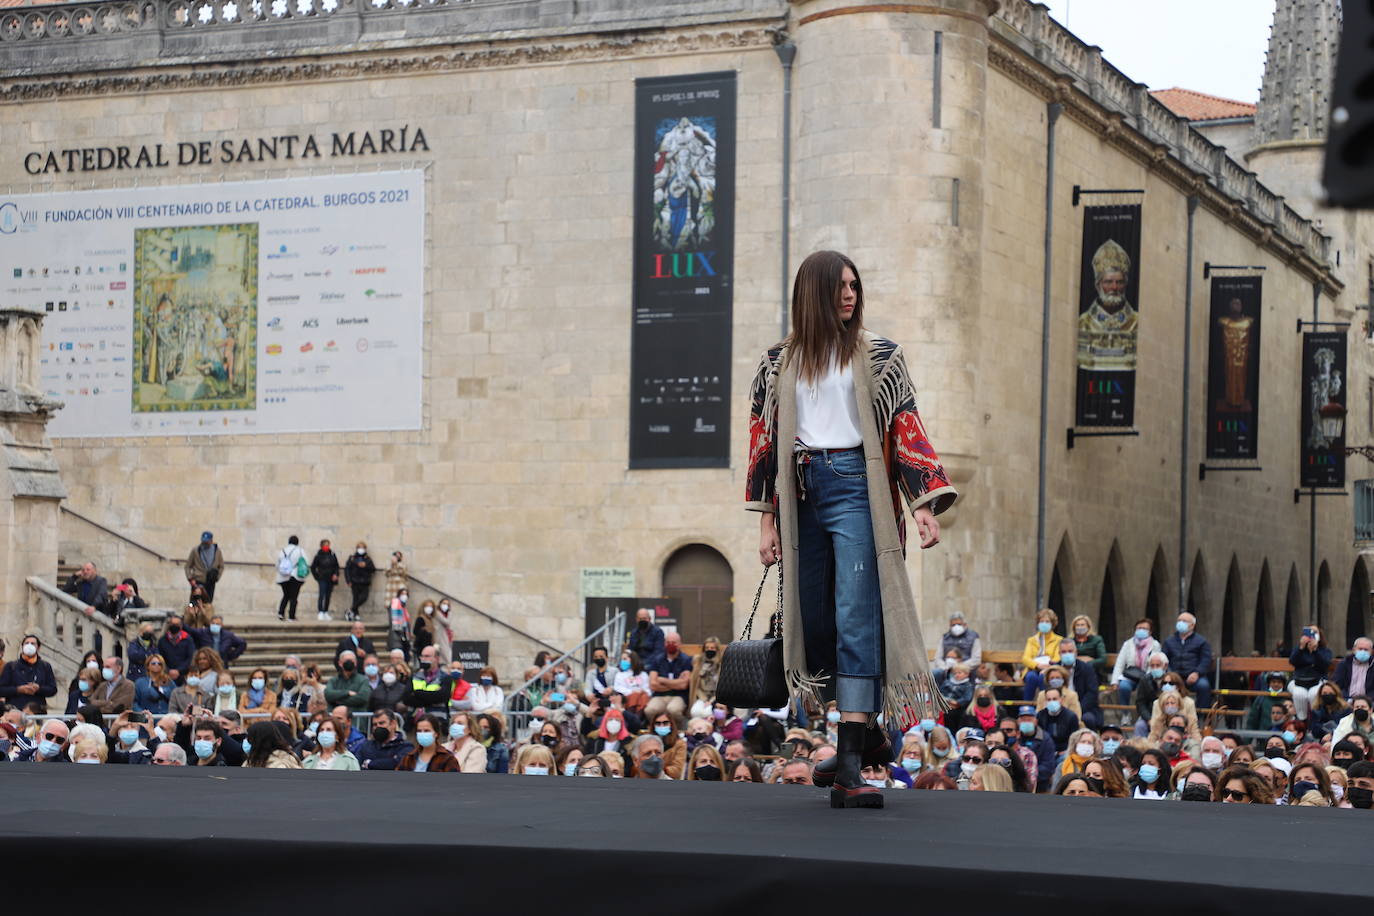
[[818, 335]]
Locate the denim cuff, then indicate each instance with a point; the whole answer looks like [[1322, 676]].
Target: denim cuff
[[858, 694]]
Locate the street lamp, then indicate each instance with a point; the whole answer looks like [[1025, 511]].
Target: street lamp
[[1332, 420]]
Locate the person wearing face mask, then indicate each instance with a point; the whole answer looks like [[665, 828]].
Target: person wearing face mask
[[1213, 756], [398, 617], [1196, 785], [28, 678], [258, 698], [706, 765], [201, 741], [430, 687], [292, 571], [1190, 654], [1352, 674], [358, 573], [705, 673], [1310, 787], [153, 691], [1261, 708], [1239, 785], [127, 745], [205, 565], [1082, 681], [940, 750], [390, 692], [1171, 745], [423, 629], [533, 760], [1042, 650], [612, 736], [1311, 660], [1328, 711], [632, 682], [601, 676], [386, 747], [1154, 778], [956, 686], [964, 639], [1031, 736], [331, 751], [324, 569], [83, 683], [463, 743], [138, 650], [1133, 659], [349, 687], [647, 754], [487, 693], [1360, 721], [1086, 645], [1147, 691], [216, 636], [51, 745], [1359, 790], [116, 692], [1055, 718], [1173, 700], [1084, 747], [177, 648], [674, 747], [646, 639]]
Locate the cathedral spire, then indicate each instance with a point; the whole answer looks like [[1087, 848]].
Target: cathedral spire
[[1295, 95]]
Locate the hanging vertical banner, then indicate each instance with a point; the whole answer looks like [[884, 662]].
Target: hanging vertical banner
[[684, 228], [1322, 460], [1107, 319], [1233, 351]]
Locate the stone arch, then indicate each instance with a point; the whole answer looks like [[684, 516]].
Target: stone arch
[[1061, 581], [701, 578], [1232, 608], [1323, 597], [1264, 612], [1157, 596], [1112, 604], [1199, 604], [1357, 606], [1292, 612]]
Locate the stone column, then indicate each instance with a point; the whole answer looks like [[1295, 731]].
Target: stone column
[[888, 168], [30, 485]]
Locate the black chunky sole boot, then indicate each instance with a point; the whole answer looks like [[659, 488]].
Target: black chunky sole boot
[[877, 752], [849, 789]]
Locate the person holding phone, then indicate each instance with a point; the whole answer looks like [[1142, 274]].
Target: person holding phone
[[1311, 661]]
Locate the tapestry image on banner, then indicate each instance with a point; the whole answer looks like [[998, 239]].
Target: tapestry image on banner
[[684, 182], [195, 318], [1107, 318], [683, 275], [1322, 459], [1233, 368]]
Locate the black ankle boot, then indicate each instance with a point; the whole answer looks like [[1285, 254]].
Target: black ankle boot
[[849, 790], [877, 752]]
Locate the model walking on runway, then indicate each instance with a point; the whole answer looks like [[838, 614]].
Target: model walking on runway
[[833, 433]]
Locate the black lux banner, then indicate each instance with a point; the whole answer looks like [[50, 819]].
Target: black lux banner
[[1107, 316], [684, 227], [1233, 352], [1323, 410]]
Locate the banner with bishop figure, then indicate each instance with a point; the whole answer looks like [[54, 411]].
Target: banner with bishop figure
[[1107, 316]]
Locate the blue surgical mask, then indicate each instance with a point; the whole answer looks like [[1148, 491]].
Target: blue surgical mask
[[1068, 658], [457, 730], [570, 707], [1362, 656], [1110, 745], [215, 628], [192, 680], [258, 683], [557, 697], [1043, 626], [911, 764], [226, 689], [48, 748], [927, 725], [1168, 688], [247, 746], [83, 686], [560, 678], [832, 716], [1142, 634], [1053, 707], [940, 752], [1027, 728], [89, 760], [370, 670], [569, 769], [624, 664], [662, 730], [107, 673], [1148, 773], [128, 736], [1181, 626], [1056, 682], [1156, 673], [424, 739], [484, 681], [326, 739], [204, 748], [536, 771], [1290, 737]]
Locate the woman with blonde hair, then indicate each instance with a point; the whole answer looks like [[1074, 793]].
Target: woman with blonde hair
[[1339, 781], [612, 763], [1042, 651], [705, 673], [153, 691], [226, 692], [1057, 678], [706, 765], [290, 717], [465, 742], [533, 760], [1084, 747], [88, 750], [1087, 644], [1173, 700], [990, 778], [982, 711], [940, 749]]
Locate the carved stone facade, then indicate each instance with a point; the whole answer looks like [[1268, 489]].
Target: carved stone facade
[[918, 147]]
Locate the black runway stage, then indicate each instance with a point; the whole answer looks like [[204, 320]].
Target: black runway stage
[[252, 841]]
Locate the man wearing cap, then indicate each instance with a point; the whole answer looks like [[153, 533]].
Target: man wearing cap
[[1260, 708], [205, 565], [1031, 736], [960, 636]]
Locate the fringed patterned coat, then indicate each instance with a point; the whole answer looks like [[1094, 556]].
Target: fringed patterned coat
[[901, 465]]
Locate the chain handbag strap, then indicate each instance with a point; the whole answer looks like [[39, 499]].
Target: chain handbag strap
[[775, 621]]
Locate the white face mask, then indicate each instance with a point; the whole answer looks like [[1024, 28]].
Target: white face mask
[[388, 678], [877, 783], [1083, 750], [957, 630], [1212, 760], [613, 727], [30, 649], [967, 768], [361, 551]]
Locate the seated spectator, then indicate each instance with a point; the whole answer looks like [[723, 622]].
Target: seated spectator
[[1274, 771], [1083, 747], [349, 687], [258, 700], [1213, 753], [567, 760], [1056, 719], [1190, 654], [1352, 674], [391, 691], [356, 642], [1329, 710], [169, 755], [957, 688], [332, 752], [51, 744], [188, 697], [1261, 708], [1311, 786], [591, 765], [138, 650], [613, 764], [632, 682], [176, 648], [1057, 676], [674, 747], [1357, 723], [1241, 785], [89, 750], [706, 765], [744, 769], [207, 668], [492, 727], [982, 711], [153, 691], [203, 739], [1082, 681], [1077, 785], [1154, 777], [83, 684], [647, 754], [290, 693], [1360, 785], [128, 747], [533, 760], [990, 778], [960, 637], [290, 720], [1033, 738], [1148, 690], [727, 725], [460, 688], [386, 746], [699, 733], [705, 673], [939, 749], [266, 748], [1133, 660], [430, 686], [464, 744], [1087, 646], [226, 693], [932, 779], [429, 755], [1311, 661], [974, 755], [1042, 650], [116, 694], [343, 723], [911, 757], [1008, 759], [487, 693], [1171, 744], [225, 642]]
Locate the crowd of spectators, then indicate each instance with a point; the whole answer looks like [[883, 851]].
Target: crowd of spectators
[[648, 711]]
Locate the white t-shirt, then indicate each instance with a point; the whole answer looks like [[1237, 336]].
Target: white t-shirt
[[827, 412]]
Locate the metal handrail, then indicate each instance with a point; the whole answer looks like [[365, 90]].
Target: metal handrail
[[478, 611], [616, 625]]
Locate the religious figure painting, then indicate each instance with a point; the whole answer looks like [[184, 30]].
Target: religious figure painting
[[684, 185], [195, 318], [1107, 328]]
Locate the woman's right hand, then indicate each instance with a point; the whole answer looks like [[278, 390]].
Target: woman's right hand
[[770, 546]]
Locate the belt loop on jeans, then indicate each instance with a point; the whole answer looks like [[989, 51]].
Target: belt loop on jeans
[[801, 458]]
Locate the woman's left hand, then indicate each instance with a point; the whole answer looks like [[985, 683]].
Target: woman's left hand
[[927, 527]]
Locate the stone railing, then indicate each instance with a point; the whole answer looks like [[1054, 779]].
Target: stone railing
[[67, 631], [1028, 26]]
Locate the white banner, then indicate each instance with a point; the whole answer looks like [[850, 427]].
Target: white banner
[[293, 305]]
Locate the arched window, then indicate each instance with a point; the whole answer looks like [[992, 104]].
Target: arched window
[[1112, 600], [1324, 619], [1264, 609], [1292, 613], [1231, 608], [1060, 580], [1357, 607], [702, 579], [1158, 597]]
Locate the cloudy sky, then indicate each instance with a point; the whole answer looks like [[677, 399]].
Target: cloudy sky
[[1213, 46]]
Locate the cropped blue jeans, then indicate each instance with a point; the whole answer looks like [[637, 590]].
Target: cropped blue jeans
[[837, 582]]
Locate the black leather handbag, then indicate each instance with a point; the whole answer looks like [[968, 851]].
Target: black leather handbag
[[751, 670]]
